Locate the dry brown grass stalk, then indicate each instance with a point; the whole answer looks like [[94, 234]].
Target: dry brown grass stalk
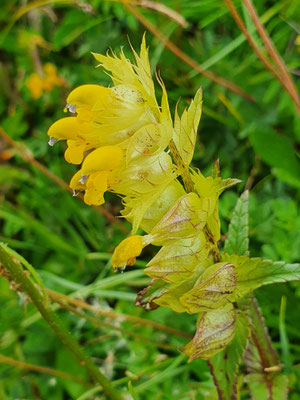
[[282, 76]]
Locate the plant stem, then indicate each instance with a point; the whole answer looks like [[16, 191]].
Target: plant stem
[[23, 283]]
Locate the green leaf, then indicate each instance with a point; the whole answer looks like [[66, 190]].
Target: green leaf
[[274, 389], [237, 241], [255, 272], [277, 151], [224, 366], [74, 24]]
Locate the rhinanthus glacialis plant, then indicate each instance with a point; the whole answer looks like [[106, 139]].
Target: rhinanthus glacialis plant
[[127, 142]]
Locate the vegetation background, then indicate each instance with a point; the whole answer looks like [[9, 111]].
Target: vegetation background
[[70, 244]]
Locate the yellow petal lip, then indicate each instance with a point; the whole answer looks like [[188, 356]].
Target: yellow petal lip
[[92, 197], [127, 251], [64, 128], [98, 181], [85, 96], [74, 154], [96, 186], [104, 158]]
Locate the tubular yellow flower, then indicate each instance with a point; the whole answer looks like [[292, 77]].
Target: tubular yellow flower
[[127, 251], [86, 96], [104, 158], [68, 128]]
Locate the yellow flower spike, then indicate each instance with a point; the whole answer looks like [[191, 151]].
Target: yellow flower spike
[[104, 158], [86, 96], [127, 251]]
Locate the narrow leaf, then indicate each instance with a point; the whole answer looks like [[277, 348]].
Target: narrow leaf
[[237, 241]]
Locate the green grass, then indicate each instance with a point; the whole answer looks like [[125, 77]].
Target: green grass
[[70, 244]]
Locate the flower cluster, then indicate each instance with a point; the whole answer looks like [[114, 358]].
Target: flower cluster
[[37, 83], [127, 143]]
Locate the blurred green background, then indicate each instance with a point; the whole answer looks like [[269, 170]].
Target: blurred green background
[[45, 51]]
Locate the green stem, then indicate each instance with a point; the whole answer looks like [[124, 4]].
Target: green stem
[[25, 284]]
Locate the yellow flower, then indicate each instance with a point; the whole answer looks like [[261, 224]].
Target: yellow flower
[[95, 176], [37, 83], [85, 97], [127, 251], [68, 128], [96, 186], [101, 159]]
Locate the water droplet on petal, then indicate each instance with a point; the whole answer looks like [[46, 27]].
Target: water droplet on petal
[[83, 179], [52, 141], [71, 108]]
